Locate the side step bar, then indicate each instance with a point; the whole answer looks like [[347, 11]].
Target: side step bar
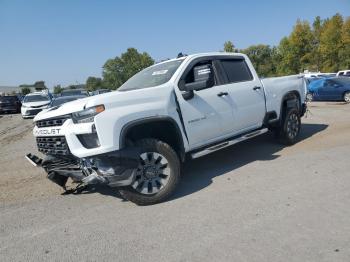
[[216, 147]]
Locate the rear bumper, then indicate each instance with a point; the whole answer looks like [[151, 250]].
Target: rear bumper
[[114, 169]]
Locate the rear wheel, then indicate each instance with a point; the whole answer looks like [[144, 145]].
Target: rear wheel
[[347, 97], [157, 175], [290, 127]]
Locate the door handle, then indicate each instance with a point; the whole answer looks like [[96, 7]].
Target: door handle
[[223, 94], [256, 87]]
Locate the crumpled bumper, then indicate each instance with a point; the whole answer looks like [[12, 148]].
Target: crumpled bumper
[[114, 168]]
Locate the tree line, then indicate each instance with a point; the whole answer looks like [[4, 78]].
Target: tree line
[[322, 46]]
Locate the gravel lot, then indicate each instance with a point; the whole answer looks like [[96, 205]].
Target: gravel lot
[[256, 201]]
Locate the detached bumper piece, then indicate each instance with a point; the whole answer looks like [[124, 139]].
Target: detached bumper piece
[[114, 169]]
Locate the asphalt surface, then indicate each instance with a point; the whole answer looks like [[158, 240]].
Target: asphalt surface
[[256, 201]]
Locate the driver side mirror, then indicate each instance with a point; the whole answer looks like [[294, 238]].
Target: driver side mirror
[[198, 85], [203, 78]]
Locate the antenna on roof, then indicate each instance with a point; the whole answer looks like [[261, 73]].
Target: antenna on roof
[[181, 55]]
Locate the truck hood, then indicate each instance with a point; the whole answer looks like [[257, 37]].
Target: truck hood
[[67, 108], [109, 100]]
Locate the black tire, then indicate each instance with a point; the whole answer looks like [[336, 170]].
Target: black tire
[[158, 147], [346, 97], [290, 127]]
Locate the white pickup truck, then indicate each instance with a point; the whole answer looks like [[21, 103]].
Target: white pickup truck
[[136, 138]]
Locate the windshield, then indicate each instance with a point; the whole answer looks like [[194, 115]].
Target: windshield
[[36, 98], [152, 76], [60, 101]]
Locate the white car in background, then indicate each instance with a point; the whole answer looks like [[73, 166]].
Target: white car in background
[[344, 73], [33, 103]]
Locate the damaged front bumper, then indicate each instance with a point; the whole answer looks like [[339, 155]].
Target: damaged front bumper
[[114, 169]]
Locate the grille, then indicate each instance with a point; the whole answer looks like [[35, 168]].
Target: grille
[[32, 112], [51, 122], [53, 145], [38, 106]]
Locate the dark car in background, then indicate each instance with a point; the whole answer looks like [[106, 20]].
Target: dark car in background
[[75, 92], [330, 89], [58, 101], [10, 104]]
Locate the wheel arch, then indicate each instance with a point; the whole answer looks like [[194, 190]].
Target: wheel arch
[[289, 100], [163, 128]]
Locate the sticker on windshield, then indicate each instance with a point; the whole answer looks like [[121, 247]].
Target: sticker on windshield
[[160, 72]]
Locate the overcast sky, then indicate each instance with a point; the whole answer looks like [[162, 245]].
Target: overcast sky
[[64, 42]]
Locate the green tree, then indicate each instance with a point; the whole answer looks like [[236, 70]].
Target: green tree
[[331, 43], [118, 70], [295, 50], [229, 47], [57, 89], [344, 53], [287, 62], [93, 83], [25, 90], [39, 85], [316, 59], [262, 57]]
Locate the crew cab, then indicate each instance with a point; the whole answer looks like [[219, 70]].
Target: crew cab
[[136, 138]]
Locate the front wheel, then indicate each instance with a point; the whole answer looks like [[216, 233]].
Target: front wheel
[[347, 97], [157, 175]]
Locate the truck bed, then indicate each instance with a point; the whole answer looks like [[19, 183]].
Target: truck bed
[[276, 87]]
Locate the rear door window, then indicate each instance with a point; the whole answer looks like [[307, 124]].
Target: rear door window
[[236, 70]]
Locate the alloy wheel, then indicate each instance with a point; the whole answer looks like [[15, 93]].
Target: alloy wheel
[[309, 97], [293, 125], [152, 174], [347, 97]]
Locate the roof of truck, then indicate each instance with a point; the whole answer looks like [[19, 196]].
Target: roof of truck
[[202, 54]]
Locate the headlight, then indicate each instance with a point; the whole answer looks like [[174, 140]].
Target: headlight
[[88, 114]]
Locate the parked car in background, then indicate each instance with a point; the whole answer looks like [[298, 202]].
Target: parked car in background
[[344, 73], [309, 80], [10, 104], [101, 91], [330, 89], [318, 74], [75, 92], [58, 101], [33, 103], [313, 79]]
